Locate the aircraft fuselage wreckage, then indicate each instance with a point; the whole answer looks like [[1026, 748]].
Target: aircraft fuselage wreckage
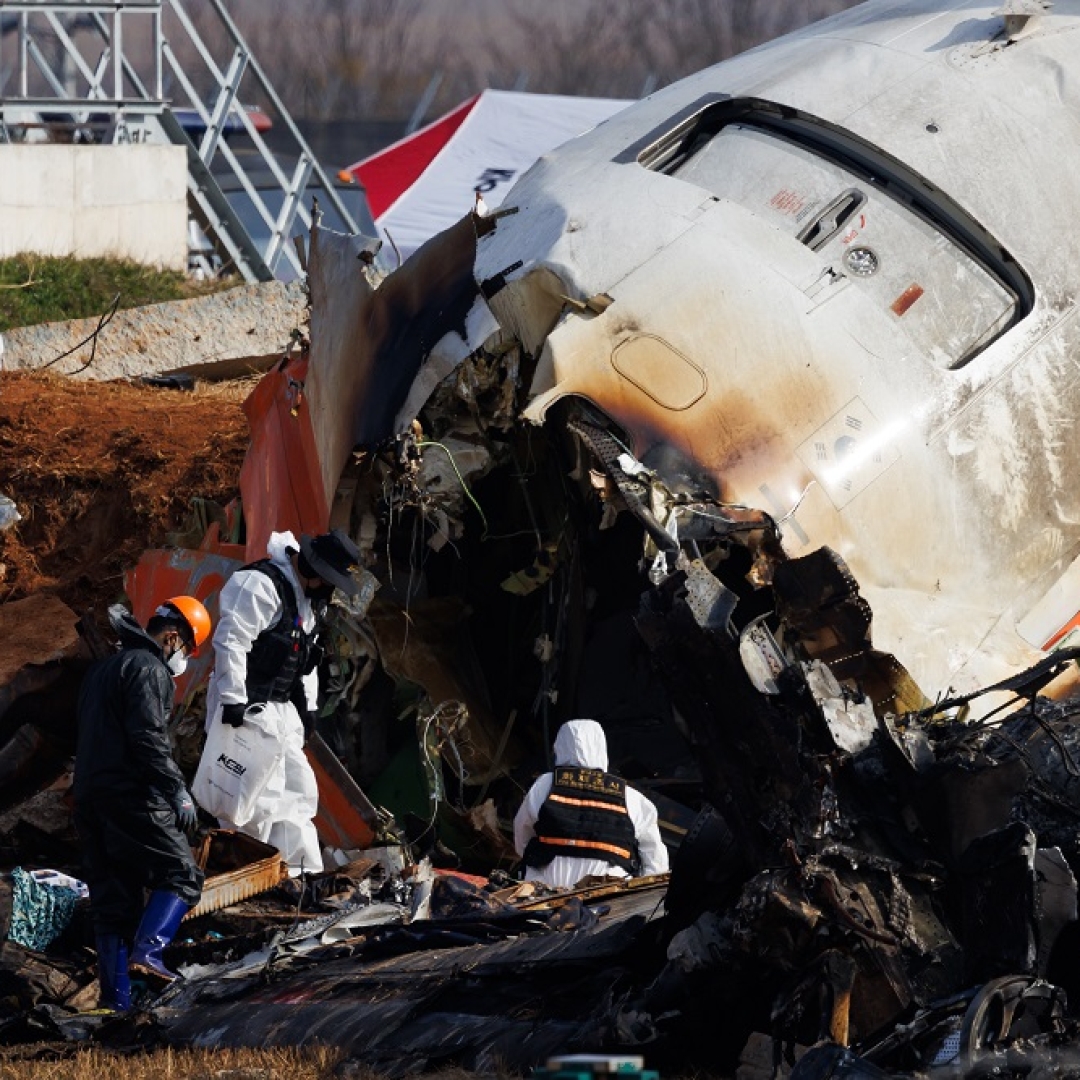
[[819, 296]]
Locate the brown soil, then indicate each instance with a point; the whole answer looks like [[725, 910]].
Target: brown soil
[[102, 471]]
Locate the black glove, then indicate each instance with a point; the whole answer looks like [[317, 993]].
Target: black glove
[[233, 713], [308, 719], [184, 807]]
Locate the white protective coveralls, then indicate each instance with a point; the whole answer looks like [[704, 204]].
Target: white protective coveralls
[[583, 743], [284, 810]]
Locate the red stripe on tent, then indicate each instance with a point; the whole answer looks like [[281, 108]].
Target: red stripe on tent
[[391, 172]]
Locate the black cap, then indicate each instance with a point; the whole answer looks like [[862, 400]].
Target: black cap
[[334, 557]]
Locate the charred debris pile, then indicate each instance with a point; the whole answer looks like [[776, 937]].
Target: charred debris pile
[[856, 869], [847, 870]]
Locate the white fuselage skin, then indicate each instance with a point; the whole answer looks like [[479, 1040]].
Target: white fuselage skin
[[920, 408]]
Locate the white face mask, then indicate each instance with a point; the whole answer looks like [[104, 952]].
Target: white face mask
[[177, 663]]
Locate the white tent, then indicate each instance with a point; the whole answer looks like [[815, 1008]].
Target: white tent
[[425, 182]]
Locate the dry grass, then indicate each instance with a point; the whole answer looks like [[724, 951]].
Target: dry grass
[[284, 1063], [315, 1063], [236, 389]]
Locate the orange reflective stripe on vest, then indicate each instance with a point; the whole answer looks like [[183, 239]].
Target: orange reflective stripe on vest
[[584, 815], [588, 802], [622, 853]]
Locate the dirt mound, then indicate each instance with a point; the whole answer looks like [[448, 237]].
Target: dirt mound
[[101, 471]]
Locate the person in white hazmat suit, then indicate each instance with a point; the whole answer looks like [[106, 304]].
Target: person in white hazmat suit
[[582, 821], [265, 687]]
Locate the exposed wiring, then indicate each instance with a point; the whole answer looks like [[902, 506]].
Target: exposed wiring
[[512, 535], [388, 495], [395, 247], [461, 480], [456, 712], [798, 503], [412, 588], [528, 504], [104, 321]]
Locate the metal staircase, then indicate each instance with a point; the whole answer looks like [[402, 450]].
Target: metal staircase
[[142, 71]]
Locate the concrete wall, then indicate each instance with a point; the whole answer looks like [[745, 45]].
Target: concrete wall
[[225, 335], [128, 201]]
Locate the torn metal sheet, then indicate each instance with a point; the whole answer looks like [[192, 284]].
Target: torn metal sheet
[[370, 345], [779, 323], [335, 383], [851, 721], [466, 1004], [778, 478], [448, 353], [596, 891], [754, 481]]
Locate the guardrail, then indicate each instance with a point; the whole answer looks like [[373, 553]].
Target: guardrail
[[141, 70]]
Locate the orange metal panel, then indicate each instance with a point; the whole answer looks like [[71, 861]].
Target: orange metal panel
[[346, 818], [280, 482], [162, 573]]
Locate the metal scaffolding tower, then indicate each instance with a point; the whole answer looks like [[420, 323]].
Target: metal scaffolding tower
[[144, 71]]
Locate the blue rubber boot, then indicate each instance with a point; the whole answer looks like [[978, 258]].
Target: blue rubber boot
[[158, 926], [113, 973]]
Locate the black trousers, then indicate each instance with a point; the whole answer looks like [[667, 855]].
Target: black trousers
[[130, 846]]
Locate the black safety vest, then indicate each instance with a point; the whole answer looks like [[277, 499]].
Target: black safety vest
[[281, 654], [585, 817]]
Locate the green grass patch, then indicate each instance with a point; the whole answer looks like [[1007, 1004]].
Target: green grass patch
[[39, 289]]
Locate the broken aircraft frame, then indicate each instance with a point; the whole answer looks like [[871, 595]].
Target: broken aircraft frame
[[780, 355], [795, 348]]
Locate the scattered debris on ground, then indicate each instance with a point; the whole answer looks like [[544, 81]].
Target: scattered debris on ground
[[842, 847]]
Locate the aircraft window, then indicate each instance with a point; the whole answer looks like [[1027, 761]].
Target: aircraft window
[[904, 254]]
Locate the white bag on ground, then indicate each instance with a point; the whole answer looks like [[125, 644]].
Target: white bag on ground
[[237, 763]]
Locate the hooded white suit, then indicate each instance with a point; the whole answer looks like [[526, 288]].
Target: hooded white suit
[[283, 812], [582, 743]]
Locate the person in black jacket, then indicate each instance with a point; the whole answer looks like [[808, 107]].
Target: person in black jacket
[[132, 807]]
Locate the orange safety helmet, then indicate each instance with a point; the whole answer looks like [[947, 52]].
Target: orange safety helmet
[[195, 615]]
